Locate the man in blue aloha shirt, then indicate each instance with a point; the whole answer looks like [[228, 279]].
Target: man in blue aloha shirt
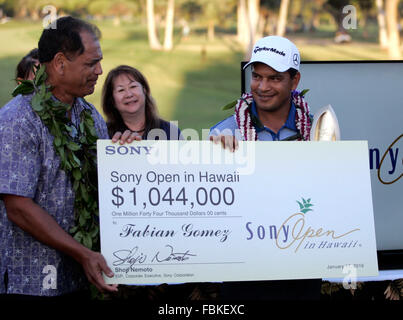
[[38, 257]]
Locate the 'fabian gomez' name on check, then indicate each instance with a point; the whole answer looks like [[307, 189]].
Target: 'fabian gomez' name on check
[[189, 211]]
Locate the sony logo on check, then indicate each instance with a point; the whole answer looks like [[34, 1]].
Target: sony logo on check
[[127, 150], [293, 233]]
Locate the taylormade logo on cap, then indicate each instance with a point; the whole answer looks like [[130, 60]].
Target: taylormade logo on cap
[[277, 52], [257, 49]]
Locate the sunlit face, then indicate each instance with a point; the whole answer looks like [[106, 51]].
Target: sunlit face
[[129, 95], [271, 90], [81, 72]]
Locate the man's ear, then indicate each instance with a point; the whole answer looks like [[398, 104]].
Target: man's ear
[[295, 80], [58, 63]]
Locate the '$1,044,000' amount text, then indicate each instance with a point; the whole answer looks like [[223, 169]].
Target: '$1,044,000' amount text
[[202, 197]]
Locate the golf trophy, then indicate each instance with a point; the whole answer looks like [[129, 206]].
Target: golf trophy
[[325, 126]]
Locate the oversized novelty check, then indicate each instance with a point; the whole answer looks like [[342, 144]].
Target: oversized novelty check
[[190, 211]]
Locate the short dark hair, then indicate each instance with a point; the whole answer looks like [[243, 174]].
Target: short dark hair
[[25, 66], [292, 72], [65, 37]]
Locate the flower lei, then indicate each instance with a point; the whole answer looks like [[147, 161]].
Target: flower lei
[[77, 156], [247, 122]]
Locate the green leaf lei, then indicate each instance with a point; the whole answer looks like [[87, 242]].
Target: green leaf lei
[[77, 157]]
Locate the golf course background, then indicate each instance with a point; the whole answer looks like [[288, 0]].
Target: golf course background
[[193, 81]]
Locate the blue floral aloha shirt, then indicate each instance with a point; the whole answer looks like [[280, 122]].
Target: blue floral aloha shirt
[[29, 167]]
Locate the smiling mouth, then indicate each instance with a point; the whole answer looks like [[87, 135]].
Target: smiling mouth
[[130, 102], [266, 96]]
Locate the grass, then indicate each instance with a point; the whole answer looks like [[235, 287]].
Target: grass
[[190, 83]]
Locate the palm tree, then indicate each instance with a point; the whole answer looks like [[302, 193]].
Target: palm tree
[[383, 36], [169, 25], [252, 18], [335, 8], [151, 28], [282, 20], [242, 26], [392, 27]]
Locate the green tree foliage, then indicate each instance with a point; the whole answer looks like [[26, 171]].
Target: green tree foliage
[[72, 6], [335, 8], [365, 5], [99, 7], [22, 8], [33, 8], [207, 12], [113, 8], [338, 4], [190, 9], [270, 4]]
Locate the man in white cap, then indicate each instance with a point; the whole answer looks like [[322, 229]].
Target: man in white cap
[[272, 111]]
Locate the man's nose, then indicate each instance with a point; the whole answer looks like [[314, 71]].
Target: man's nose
[[264, 85], [98, 69]]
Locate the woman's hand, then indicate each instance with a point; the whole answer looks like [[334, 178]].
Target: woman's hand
[[127, 137]]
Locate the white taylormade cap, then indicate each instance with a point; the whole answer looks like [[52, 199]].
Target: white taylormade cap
[[277, 52]]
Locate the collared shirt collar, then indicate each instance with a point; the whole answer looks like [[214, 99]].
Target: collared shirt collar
[[289, 123]]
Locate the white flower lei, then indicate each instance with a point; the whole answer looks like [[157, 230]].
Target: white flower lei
[[247, 127]]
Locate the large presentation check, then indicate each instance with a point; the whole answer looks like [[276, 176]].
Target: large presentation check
[[190, 211]]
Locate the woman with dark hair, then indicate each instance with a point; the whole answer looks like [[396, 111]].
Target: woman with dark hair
[[128, 105], [25, 68]]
